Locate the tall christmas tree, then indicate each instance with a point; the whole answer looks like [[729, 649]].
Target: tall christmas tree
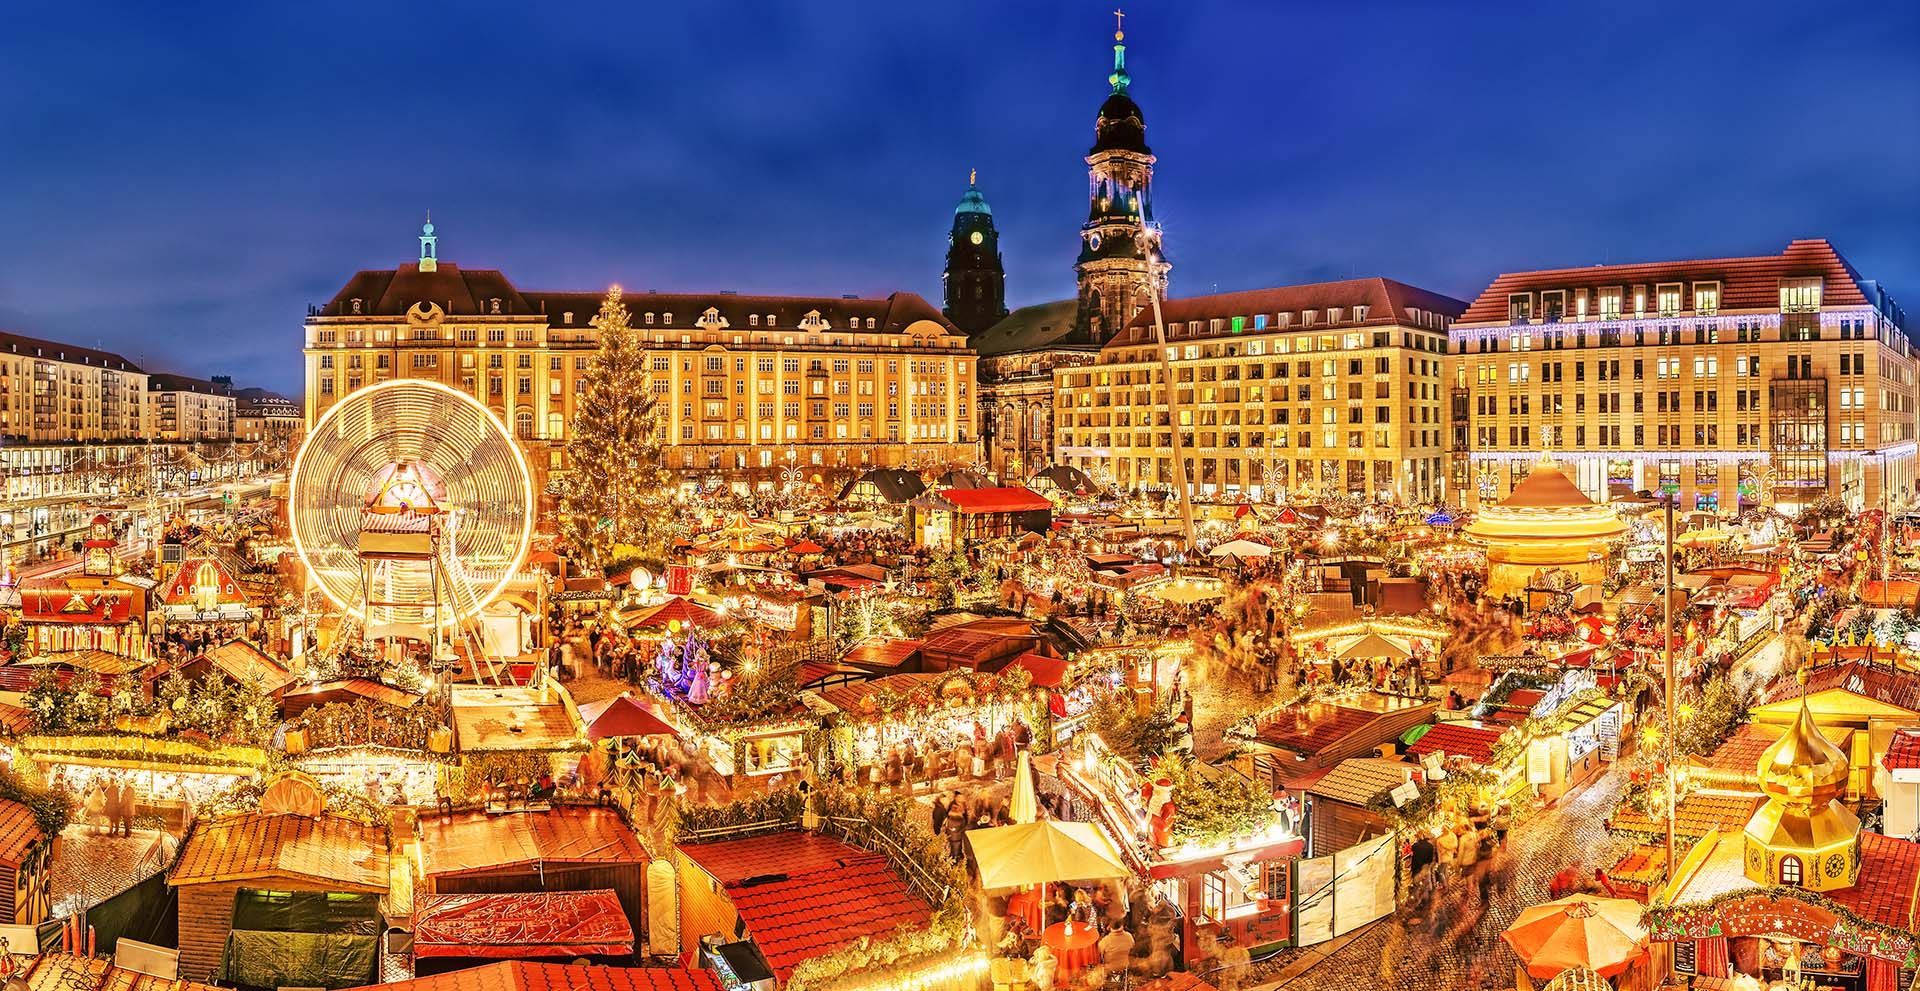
[[615, 504]]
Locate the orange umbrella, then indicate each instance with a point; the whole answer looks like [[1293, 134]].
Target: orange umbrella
[[1601, 934]]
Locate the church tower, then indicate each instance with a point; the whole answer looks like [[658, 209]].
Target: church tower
[[976, 284], [1116, 269]]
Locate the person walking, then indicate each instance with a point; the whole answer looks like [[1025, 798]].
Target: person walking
[[123, 808]]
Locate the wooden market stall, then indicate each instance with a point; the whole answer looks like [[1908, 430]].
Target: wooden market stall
[[26, 866], [566, 848], [286, 895]]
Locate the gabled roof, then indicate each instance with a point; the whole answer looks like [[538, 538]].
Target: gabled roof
[[1903, 752], [1889, 878], [332, 853], [803, 895], [475, 842], [522, 975], [1360, 780], [1388, 304], [242, 660], [1750, 283]]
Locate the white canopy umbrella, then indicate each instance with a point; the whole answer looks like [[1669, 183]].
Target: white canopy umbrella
[[1241, 548], [1042, 852]]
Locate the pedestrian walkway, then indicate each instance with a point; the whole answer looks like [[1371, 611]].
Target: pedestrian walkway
[[1397, 954]]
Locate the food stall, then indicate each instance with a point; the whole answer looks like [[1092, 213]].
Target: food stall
[[1239, 884], [169, 776], [910, 727]]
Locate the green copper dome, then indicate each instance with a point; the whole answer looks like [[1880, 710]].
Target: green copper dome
[[973, 202]]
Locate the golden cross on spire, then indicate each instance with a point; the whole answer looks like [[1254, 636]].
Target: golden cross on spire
[[1119, 25], [972, 174]]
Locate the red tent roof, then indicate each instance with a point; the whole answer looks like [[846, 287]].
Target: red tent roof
[[687, 612], [622, 716], [522, 924], [1047, 672], [1458, 740], [1018, 499], [807, 547]]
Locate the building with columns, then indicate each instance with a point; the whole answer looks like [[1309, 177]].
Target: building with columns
[[1726, 382], [749, 385], [1116, 272], [1330, 389]]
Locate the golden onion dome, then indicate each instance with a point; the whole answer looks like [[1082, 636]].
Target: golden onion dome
[[1803, 766]]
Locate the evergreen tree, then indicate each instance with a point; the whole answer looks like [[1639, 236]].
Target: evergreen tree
[[614, 499]]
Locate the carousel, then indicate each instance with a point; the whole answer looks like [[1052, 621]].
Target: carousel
[[1545, 523]]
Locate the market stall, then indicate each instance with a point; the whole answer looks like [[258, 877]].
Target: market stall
[[170, 777], [907, 730]]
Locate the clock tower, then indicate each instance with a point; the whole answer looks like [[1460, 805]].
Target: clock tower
[[976, 284], [1118, 265]]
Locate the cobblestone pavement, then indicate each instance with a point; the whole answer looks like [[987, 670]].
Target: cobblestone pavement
[[89, 867], [1399, 953]]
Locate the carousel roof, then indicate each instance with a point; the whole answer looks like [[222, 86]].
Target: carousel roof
[[679, 608], [1546, 507]]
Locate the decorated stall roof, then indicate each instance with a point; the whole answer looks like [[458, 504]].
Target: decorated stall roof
[[1047, 672], [677, 608], [244, 661], [622, 716], [339, 853], [1467, 740], [297, 700], [493, 718], [66, 971], [1695, 817], [474, 842], [97, 661], [204, 587], [1359, 780], [525, 975], [1850, 689], [803, 895], [521, 924]]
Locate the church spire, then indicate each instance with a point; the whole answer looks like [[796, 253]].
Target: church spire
[[1119, 79], [429, 246]]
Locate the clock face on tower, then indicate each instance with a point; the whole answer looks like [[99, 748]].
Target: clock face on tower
[[976, 237]]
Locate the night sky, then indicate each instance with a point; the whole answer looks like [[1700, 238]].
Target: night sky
[[179, 181]]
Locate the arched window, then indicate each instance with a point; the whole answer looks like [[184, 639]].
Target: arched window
[[1790, 870], [523, 424]]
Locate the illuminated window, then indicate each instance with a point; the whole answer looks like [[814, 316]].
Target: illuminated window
[[1790, 870]]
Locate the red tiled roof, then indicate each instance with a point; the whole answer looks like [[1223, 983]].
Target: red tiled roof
[[803, 895], [1387, 303], [1308, 729], [521, 975], [1458, 740], [1013, 499], [19, 831], [1903, 753], [1889, 873], [1745, 283], [687, 612]]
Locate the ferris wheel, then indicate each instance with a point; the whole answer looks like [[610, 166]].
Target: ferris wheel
[[411, 505]]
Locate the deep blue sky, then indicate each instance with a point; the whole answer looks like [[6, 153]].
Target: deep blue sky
[[178, 181]]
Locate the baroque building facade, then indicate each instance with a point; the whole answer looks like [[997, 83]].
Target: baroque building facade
[[750, 386], [1725, 382], [1330, 389]]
